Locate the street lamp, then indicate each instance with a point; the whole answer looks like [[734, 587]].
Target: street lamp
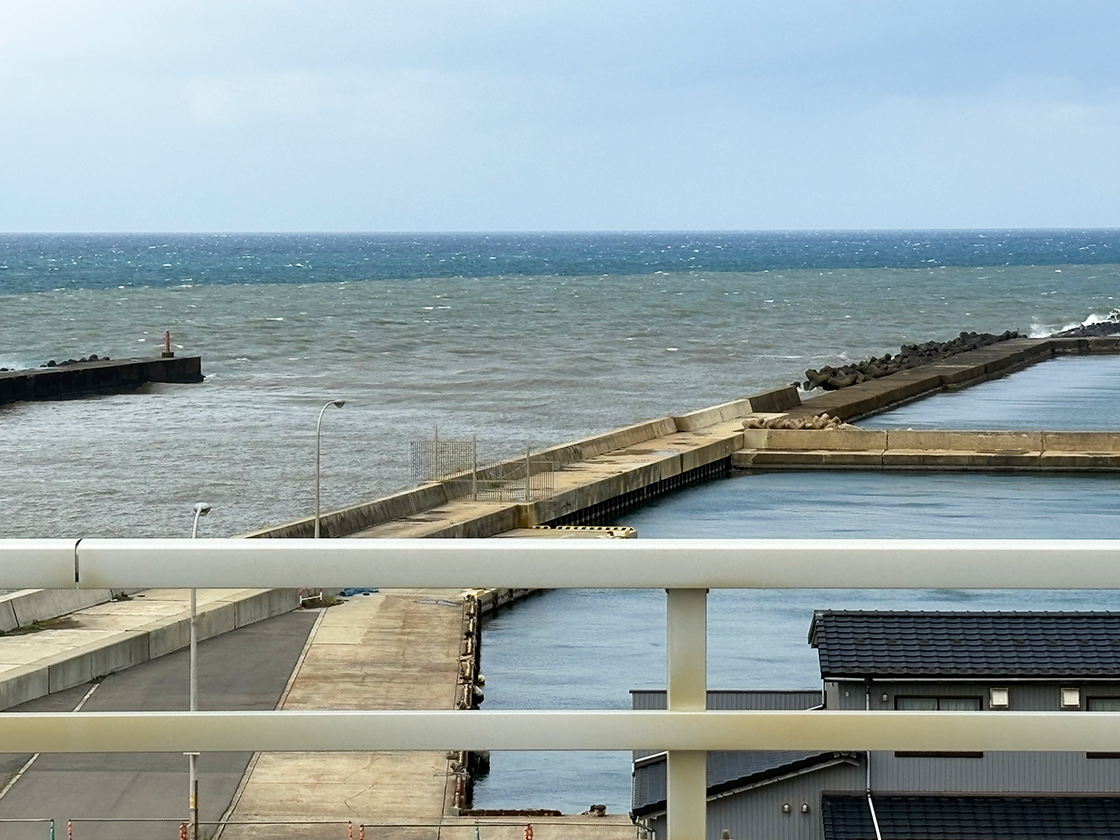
[[200, 510], [318, 447]]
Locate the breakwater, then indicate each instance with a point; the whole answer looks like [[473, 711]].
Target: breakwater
[[100, 376], [909, 356], [599, 477]]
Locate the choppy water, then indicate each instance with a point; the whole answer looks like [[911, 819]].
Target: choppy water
[[521, 340]]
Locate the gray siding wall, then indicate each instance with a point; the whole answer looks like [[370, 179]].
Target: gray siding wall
[[654, 699], [1024, 696], [756, 814], [997, 772]]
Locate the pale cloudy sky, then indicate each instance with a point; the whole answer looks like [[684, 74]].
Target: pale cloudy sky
[[364, 115]]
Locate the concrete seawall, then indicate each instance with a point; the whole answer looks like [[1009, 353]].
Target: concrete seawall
[[601, 475], [909, 449], [102, 377]]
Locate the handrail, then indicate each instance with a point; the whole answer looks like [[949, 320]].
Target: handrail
[[341, 731], [544, 564], [685, 568]]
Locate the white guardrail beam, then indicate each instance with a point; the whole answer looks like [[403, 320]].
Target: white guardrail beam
[[686, 731], [542, 564], [343, 731]]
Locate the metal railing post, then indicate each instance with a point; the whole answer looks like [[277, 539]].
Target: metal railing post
[[686, 655]]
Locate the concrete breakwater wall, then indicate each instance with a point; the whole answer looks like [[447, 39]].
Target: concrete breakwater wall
[[908, 356], [496, 518], [909, 449], [98, 377], [601, 475]]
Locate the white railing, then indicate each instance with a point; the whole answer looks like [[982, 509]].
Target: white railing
[[685, 568]]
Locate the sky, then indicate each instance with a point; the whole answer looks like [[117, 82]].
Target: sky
[[511, 115]]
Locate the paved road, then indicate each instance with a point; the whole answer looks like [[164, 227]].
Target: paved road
[[246, 669]]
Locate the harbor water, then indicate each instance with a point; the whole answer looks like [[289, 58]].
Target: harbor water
[[587, 649], [531, 340]]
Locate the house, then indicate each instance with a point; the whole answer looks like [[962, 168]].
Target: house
[[975, 661]]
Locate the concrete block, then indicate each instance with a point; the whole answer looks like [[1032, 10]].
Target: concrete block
[[32, 605], [705, 417], [980, 441], [778, 399], [828, 439], [7, 616], [743, 459], [20, 685], [960, 376], [773, 458], [266, 604], [908, 384], [958, 459], [217, 619], [1081, 442], [97, 659], [486, 525], [756, 438], [1012, 355], [1065, 346], [166, 638], [717, 450], [1080, 460], [1104, 344]]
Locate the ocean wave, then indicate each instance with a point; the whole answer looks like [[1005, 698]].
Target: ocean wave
[[1044, 330]]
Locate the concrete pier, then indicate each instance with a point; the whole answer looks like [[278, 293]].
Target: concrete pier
[[407, 649], [907, 449], [600, 476], [101, 377]]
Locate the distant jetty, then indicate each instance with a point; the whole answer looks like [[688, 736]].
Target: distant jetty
[[97, 376]]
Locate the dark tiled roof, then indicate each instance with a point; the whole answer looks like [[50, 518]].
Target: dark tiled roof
[[847, 817], [959, 645], [726, 771]]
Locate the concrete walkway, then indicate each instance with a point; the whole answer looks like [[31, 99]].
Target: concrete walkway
[[391, 650]]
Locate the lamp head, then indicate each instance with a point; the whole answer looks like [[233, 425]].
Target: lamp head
[[339, 403], [201, 509]]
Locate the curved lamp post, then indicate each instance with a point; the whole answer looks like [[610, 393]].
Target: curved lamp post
[[318, 447], [200, 510]]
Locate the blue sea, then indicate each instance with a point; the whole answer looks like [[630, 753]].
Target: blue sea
[[525, 340], [518, 339]]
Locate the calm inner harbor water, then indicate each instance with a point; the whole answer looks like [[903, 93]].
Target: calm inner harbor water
[[587, 649]]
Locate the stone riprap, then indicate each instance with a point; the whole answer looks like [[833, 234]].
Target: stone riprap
[[909, 356], [1108, 327]]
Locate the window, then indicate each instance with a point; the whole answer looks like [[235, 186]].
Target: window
[[938, 704], [1102, 704]]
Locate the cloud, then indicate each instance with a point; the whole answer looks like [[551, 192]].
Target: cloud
[[266, 114]]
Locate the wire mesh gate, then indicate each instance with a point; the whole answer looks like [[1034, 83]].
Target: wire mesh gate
[[456, 461]]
